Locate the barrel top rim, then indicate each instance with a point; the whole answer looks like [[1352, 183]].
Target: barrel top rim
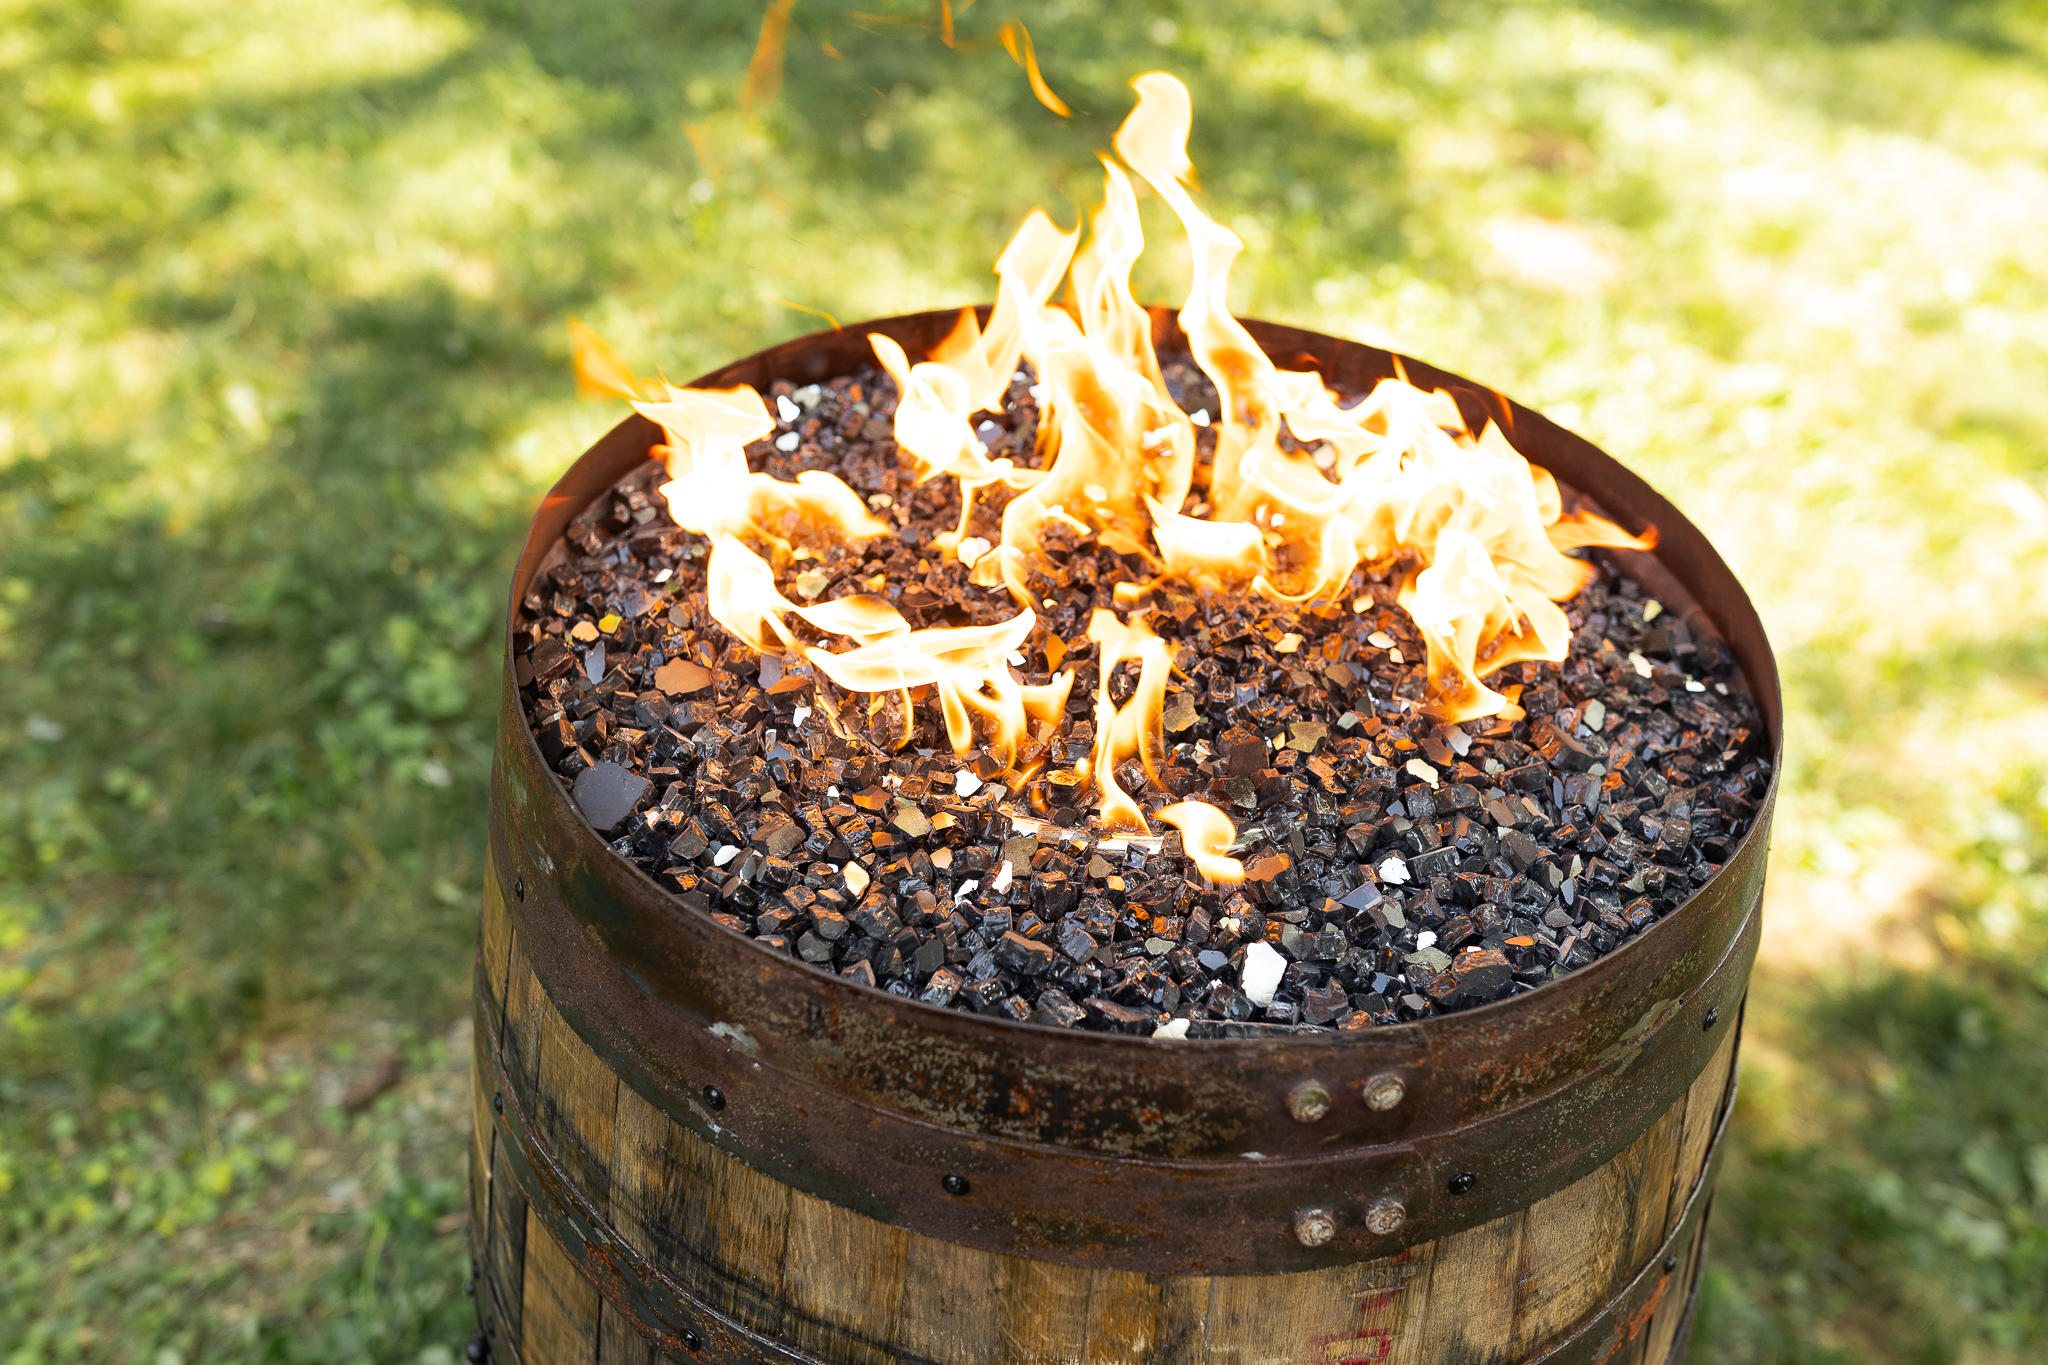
[[586, 478]]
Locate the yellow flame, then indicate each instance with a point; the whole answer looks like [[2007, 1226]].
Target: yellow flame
[[932, 425], [1301, 492], [1206, 832], [1134, 727], [965, 665]]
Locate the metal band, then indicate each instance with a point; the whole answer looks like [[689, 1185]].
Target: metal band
[[678, 1318]]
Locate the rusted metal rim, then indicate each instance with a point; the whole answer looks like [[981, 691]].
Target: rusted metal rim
[[678, 1316], [866, 1100]]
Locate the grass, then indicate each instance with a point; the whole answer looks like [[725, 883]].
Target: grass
[[282, 370]]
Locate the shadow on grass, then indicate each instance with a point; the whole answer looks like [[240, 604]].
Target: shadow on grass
[[1928, 1231]]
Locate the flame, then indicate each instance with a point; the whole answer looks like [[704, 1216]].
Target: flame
[[764, 68], [1012, 33], [1302, 491], [965, 666], [1207, 832], [1134, 727], [599, 371]]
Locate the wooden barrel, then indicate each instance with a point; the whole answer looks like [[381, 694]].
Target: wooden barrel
[[689, 1148]]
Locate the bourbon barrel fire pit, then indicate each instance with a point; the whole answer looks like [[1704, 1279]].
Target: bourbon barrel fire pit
[[755, 1082]]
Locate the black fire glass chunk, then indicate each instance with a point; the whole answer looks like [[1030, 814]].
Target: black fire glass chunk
[[1054, 1007], [1113, 1017], [942, 987], [556, 737], [1521, 850], [607, 794], [1482, 975], [1321, 1005], [1440, 862], [1364, 898], [984, 994], [1021, 954]]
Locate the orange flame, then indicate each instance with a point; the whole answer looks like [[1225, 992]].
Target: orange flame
[[1302, 491], [764, 68], [1207, 833], [599, 371], [1012, 33]]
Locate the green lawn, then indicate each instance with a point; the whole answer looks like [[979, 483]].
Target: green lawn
[[283, 368]]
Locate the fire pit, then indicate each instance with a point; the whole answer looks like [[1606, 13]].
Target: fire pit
[[1109, 673]]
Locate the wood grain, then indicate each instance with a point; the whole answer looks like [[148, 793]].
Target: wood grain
[[951, 1299], [575, 1099], [1575, 1243], [480, 1135], [520, 1041], [1671, 1309], [494, 942], [620, 1343], [505, 1253], [843, 1280], [559, 1318], [1704, 1101], [1637, 1221], [1126, 1317], [1472, 1319]]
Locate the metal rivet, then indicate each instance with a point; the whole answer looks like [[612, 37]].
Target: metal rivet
[[1462, 1182], [519, 887], [714, 1097], [1670, 1264], [1314, 1227], [1384, 1091], [1308, 1102], [469, 1288], [498, 1100], [478, 1352], [1708, 1022], [1385, 1216], [691, 1341], [954, 1183]]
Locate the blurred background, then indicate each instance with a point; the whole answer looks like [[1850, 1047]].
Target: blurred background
[[283, 370]]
